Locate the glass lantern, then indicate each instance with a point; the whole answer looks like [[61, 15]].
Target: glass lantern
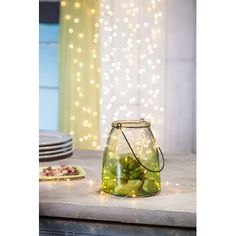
[[131, 160]]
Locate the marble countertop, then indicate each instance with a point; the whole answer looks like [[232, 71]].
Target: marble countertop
[[82, 199]]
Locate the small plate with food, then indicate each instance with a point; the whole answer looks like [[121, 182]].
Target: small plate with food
[[63, 172]]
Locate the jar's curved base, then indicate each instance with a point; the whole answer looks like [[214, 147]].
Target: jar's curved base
[[134, 195]]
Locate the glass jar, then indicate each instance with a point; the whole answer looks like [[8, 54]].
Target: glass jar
[[131, 160]]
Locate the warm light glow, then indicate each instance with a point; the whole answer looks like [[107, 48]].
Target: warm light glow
[[67, 17], [70, 30], [77, 35], [140, 59], [77, 5], [76, 20], [76, 103], [130, 74], [94, 143], [72, 117], [63, 3]]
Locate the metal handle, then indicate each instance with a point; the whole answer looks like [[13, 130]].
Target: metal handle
[[162, 155]]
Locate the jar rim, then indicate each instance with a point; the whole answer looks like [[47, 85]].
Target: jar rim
[[131, 123]]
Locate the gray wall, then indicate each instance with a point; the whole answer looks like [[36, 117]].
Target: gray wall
[[180, 75]]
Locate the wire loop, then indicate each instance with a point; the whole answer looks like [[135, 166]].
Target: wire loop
[[119, 126]]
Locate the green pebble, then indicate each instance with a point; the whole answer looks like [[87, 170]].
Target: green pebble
[[150, 186], [135, 182], [126, 189]]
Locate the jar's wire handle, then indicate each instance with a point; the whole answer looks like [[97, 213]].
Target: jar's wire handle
[[158, 149]]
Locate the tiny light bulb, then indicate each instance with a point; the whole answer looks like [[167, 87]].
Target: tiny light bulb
[[76, 103], [70, 30], [63, 3], [94, 143], [107, 7], [67, 17], [126, 20], [76, 20], [77, 4]]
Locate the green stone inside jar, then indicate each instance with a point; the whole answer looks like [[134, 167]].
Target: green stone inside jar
[[124, 176]]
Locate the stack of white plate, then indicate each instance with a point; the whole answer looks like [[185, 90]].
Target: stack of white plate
[[54, 145]]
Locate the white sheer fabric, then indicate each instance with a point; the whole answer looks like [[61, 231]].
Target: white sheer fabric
[[132, 64]]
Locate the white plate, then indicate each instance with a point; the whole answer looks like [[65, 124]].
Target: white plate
[[44, 158], [53, 147], [47, 138], [60, 150]]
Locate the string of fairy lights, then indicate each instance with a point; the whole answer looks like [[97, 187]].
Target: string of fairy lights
[[130, 64]]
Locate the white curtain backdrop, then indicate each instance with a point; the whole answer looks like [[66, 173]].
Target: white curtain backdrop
[[132, 54], [137, 80]]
